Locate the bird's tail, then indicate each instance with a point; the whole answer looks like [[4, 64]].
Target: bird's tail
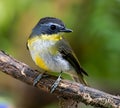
[[79, 78]]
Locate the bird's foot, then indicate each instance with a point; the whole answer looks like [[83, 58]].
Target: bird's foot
[[37, 79], [56, 83]]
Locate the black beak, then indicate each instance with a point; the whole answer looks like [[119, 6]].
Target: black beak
[[66, 30]]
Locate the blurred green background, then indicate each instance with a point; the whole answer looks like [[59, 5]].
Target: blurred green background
[[95, 40]]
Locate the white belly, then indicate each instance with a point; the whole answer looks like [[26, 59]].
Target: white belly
[[54, 62]]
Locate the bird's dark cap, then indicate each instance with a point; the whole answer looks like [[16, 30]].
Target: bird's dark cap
[[46, 20], [40, 29]]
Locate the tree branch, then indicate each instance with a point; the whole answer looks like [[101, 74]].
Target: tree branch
[[66, 89]]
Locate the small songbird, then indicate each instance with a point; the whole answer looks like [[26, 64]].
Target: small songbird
[[51, 52]]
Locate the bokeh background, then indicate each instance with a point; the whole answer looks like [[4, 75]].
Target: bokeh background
[[95, 40]]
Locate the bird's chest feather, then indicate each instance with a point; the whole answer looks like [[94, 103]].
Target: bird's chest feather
[[46, 55], [42, 48]]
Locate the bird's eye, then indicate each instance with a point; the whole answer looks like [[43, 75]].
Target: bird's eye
[[52, 27]]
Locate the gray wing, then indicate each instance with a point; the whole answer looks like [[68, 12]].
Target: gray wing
[[68, 54]]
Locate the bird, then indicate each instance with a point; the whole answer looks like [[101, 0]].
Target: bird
[[51, 51]]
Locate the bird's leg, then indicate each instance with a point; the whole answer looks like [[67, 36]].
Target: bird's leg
[[37, 79], [54, 86]]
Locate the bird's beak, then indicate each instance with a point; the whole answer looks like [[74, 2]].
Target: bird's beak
[[66, 30]]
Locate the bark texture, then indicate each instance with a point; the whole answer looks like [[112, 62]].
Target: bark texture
[[66, 90]]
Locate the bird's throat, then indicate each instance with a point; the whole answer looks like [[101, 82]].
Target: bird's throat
[[54, 37]]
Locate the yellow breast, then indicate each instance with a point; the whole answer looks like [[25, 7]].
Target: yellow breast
[[53, 37], [36, 48], [41, 63]]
